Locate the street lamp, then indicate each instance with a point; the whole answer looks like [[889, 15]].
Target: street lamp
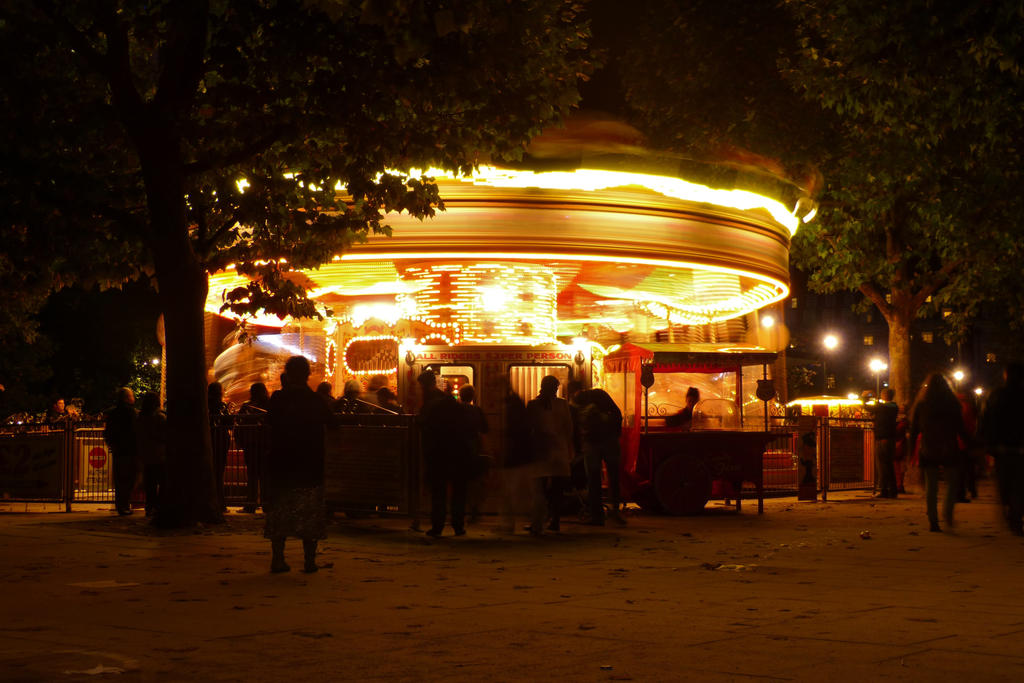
[[877, 366], [958, 376], [830, 342]]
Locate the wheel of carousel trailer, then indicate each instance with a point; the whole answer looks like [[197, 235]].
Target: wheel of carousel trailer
[[682, 485], [644, 497]]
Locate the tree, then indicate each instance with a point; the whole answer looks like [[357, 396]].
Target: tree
[[908, 111], [133, 124], [918, 207]]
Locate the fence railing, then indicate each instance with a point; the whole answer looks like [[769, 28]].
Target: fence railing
[[372, 465], [844, 453]]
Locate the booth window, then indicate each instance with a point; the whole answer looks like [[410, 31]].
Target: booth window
[[452, 377], [525, 379]]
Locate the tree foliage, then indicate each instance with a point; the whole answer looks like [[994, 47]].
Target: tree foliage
[[918, 205], [131, 125], [903, 117]]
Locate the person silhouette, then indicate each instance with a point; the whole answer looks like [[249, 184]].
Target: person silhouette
[[295, 467]]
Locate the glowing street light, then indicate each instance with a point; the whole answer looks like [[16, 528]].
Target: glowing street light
[[877, 366], [830, 342], [978, 391], [768, 321], [958, 376]]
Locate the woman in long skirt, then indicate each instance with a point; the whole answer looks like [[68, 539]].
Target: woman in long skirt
[[295, 471]]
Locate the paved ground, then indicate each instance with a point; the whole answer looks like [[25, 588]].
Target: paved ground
[[853, 589]]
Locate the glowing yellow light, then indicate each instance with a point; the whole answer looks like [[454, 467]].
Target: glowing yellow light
[[330, 358], [979, 391], [241, 184], [769, 292], [592, 180], [830, 341], [372, 371], [832, 402], [493, 299], [389, 313], [959, 375], [768, 321]]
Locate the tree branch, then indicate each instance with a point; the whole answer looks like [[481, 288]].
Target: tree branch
[[206, 245], [119, 73], [237, 156], [182, 58], [936, 283], [875, 295]]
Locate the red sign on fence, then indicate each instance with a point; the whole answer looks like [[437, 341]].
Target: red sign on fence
[[97, 457]]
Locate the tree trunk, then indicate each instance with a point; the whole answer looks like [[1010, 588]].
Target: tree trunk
[[899, 355], [190, 492]]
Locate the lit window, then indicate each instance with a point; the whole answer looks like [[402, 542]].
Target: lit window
[[928, 300], [869, 340], [927, 337], [793, 302], [888, 298], [990, 358]]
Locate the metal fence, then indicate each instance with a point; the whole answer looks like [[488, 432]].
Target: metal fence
[[846, 448], [373, 463], [34, 463], [779, 464], [844, 453]]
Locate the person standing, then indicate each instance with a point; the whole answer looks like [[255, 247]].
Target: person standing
[[474, 424], [1002, 432], [445, 454], [220, 436], [517, 460], [57, 413], [936, 418], [294, 495], [325, 391], [388, 400], [901, 458], [473, 419], [119, 434], [151, 442], [600, 428], [251, 434], [968, 483], [350, 403], [551, 437], [884, 417]]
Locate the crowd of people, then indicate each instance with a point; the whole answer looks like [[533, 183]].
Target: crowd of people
[[546, 441], [942, 434]]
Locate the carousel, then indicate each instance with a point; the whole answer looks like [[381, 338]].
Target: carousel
[[591, 244]]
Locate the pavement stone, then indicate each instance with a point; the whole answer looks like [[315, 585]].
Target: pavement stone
[[851, 589]]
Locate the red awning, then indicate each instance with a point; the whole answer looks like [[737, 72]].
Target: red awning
[[704, 358]]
